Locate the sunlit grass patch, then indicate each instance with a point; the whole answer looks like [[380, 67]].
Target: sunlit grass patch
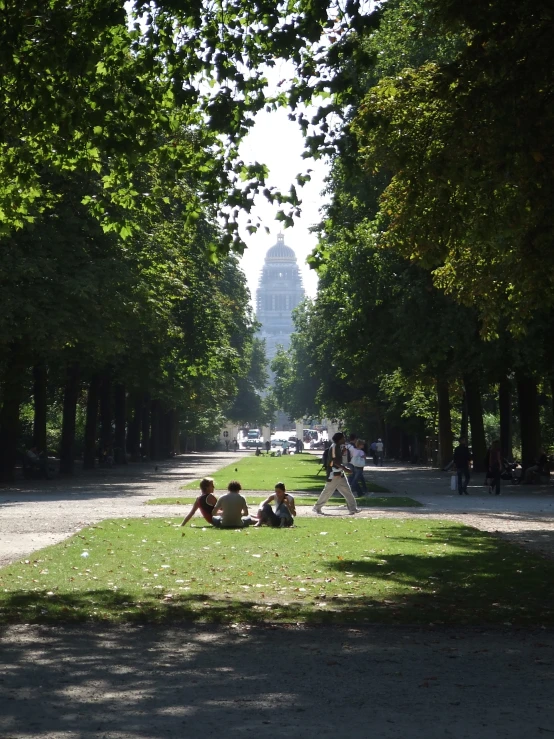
[[322, 571], [297, 471], [389, 501]]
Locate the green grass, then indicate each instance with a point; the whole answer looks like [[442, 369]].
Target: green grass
[[389, 501], [343, 571], [297, 471]]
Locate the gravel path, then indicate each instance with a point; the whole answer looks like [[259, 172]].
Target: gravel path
[[149, 682]]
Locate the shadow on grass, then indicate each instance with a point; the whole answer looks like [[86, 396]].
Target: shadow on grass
[[469, 578]]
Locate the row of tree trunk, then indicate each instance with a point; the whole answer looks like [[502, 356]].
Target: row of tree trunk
[[472, 418], [124, 425]]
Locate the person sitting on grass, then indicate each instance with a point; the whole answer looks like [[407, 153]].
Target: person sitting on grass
[[234, 511], [285, 510], [205, 502]]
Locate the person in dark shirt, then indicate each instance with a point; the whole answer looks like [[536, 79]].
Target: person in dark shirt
[[540, 468], [462, 457], [205, 502]]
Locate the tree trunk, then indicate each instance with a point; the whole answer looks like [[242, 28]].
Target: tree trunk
[[120, 421], [91, 423], [167, 430], [464, 426], [505, 407], [529, 420], [155, 446], [106, 412], [133, 430], [70, 397], [445, 424], [475, 413], [40, 377], [12, 390], [145, 428]]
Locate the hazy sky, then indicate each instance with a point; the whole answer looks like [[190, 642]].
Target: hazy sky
[[277, 142]]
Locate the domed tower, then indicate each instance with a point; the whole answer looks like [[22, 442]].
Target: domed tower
[[279, 291]]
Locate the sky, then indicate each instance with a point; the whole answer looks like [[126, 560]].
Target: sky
[[277, 142]]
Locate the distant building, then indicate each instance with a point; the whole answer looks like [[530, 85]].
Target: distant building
[[279, 291]]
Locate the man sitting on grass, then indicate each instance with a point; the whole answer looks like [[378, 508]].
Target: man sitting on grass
[[205, 502], [234, 511], [282, 516]]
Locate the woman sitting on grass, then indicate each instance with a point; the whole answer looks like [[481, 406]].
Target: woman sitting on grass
[[282, 516], [205, 502]]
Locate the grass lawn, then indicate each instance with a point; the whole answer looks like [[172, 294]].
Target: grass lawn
[[344, 571], [389, 501], [297, 471]]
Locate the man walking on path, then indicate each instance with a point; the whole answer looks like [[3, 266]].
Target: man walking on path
[[462, 457], [336, 479]]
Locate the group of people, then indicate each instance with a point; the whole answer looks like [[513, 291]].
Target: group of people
[[495, 466], [231, 510], [278, 509]]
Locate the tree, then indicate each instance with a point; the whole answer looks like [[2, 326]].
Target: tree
[[466, 144]]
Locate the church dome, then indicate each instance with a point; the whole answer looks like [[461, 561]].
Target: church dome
[[280, 251]]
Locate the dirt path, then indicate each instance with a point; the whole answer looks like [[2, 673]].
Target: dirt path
[[137, 683]]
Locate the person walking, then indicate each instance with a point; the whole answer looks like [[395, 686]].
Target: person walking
[[380, 450], [357, 481], [462, 457], [336, 479], [373, 452]]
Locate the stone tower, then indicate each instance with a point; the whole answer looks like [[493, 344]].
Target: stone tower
[[279, 291]]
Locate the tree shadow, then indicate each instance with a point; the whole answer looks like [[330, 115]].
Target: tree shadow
[[98, 680], [457, 575], [118, 481], [471, 577]]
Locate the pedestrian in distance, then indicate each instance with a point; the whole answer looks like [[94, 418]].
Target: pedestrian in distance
[[373, 452], [462, 458], [336, 479], [357, 481], [494, 460], [350, 450], [380, 449]]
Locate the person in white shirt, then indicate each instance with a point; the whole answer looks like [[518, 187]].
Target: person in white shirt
[[358, 460], [336, 479]]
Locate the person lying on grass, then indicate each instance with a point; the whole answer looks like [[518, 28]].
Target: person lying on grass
[[205, 502], [234, 511], [284, 511]]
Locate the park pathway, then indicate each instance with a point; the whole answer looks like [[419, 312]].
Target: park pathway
[[38, 513], [34, 514]]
